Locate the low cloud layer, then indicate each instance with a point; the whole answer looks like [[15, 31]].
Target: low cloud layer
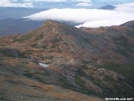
[[126, 7], [89, 17]]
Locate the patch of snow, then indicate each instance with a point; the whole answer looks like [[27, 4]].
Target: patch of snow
[[43, 65]]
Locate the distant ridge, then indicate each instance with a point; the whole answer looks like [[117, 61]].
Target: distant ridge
[[21, 26], [107, 7], [18, 26], [16, 13]]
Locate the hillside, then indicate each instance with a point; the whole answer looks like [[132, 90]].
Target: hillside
[[96, 62]]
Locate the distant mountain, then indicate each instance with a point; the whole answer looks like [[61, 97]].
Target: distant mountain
[[129, 24], [92, 61], [18, 26], [10, 12], [107, 7]]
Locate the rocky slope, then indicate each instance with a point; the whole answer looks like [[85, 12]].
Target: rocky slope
[[96, 62], [17, 85]]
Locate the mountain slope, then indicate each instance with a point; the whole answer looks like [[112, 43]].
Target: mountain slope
[[96, 62], [15, 86], [77, 42]]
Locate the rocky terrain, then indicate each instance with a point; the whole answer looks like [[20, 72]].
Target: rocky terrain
[[83, 63]]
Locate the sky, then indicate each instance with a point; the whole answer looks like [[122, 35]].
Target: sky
[[85, 12], [60, 3]]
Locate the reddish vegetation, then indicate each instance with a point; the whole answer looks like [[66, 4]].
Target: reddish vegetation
[[89, 44], [96, 61]]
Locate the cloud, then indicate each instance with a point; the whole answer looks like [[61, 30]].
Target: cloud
[[81, 0], [88, 17], [44, 1], [126, 7], [36, 3], [84, 4], [56, 0], [13, 3]]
